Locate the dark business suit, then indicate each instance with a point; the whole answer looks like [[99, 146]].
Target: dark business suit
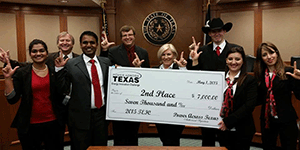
[[285, 125], [22, 87], [244, 102], [169, 134], [80, 114], [210, 61], [125, 132]]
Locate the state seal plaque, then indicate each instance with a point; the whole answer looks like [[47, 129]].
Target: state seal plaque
[[159, 28]]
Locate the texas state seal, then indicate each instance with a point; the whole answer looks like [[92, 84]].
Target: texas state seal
[[159, 28]]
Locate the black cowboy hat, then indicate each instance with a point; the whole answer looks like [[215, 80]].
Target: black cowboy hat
[[216, 24]]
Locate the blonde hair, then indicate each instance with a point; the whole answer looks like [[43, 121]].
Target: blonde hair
[[165, 47], [64, 34]]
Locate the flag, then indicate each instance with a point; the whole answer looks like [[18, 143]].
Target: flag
[[104, 24], [207, 38]]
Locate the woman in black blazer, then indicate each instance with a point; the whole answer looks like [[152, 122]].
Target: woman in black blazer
[[237, 125], [167, 54], [276, 84], [38, 119]]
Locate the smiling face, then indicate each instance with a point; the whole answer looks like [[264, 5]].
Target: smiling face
[[65, 44], [269, 57], [217, 36], [88, 45], [167, 58], [38, 53], [128, 38], [234, 62]]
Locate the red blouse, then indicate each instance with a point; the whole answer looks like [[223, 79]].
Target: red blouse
[[42, 110]]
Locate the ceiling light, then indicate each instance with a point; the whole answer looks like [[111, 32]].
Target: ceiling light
[[63, 1]]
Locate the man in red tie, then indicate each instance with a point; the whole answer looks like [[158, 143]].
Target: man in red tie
[[88, 75], [127, 54], [210, 57]]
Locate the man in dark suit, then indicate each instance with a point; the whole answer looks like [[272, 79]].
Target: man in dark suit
[[126, 54], [210, 57], [88, 75]]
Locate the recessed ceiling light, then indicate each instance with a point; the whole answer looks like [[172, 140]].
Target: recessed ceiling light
[[63, 1]]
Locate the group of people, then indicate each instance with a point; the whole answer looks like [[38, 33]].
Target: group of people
[[66, 88]]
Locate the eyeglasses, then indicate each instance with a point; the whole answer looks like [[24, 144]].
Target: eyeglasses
[[125, 35]]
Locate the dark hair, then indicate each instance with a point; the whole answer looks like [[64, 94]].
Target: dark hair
[[126, 28], [260, 66], [37, 41], [243, 69], [89, 33]]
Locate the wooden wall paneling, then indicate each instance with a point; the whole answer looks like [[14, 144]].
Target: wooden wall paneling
[[187, 14], [21, 42], [111, 19], [257, 28], [63, 23]]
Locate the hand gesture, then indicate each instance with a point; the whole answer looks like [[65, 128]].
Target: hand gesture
[[60, 61], [8, 71], [137, 62], [181, 62], [3, 55], [222, 126], [105, 44], [194, 48], [296, 73]]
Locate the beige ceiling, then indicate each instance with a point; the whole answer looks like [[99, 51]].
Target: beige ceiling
[[83, 3]]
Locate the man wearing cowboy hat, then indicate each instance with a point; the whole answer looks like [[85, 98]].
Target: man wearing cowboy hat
[[210, 57]]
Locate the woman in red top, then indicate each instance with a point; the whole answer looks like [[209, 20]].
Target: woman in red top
[[37, 120]]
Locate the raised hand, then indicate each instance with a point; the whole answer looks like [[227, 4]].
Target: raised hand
[[105, 44], [8, 71], [137, 62], [3, 55], [181, 62], [296, 73], [194, 48], [60, 61]]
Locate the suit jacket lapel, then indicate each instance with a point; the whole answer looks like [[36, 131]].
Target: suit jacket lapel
[[81, 65], [238, 91], [103, 68]]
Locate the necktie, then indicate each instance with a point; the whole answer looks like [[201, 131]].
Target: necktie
[[227, 105], [218, 50], [96, 85], [65, 57]]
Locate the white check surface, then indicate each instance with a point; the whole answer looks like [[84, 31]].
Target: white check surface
[[180, 97]]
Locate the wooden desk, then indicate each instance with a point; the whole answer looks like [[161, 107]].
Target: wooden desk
[[153, 148]]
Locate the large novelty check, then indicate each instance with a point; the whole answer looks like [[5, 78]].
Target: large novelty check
[[170, 96]]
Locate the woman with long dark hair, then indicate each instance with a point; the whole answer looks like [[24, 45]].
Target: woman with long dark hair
[[276, 84], [38, 119], [237, 125]]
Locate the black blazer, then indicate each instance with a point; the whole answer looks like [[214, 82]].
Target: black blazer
[[22, 87], [75, 72], [244, 102], [282, 90], [209, 60], [118, 55]]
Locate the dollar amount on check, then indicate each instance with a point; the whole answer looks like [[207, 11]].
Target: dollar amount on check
[[181, 97]]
